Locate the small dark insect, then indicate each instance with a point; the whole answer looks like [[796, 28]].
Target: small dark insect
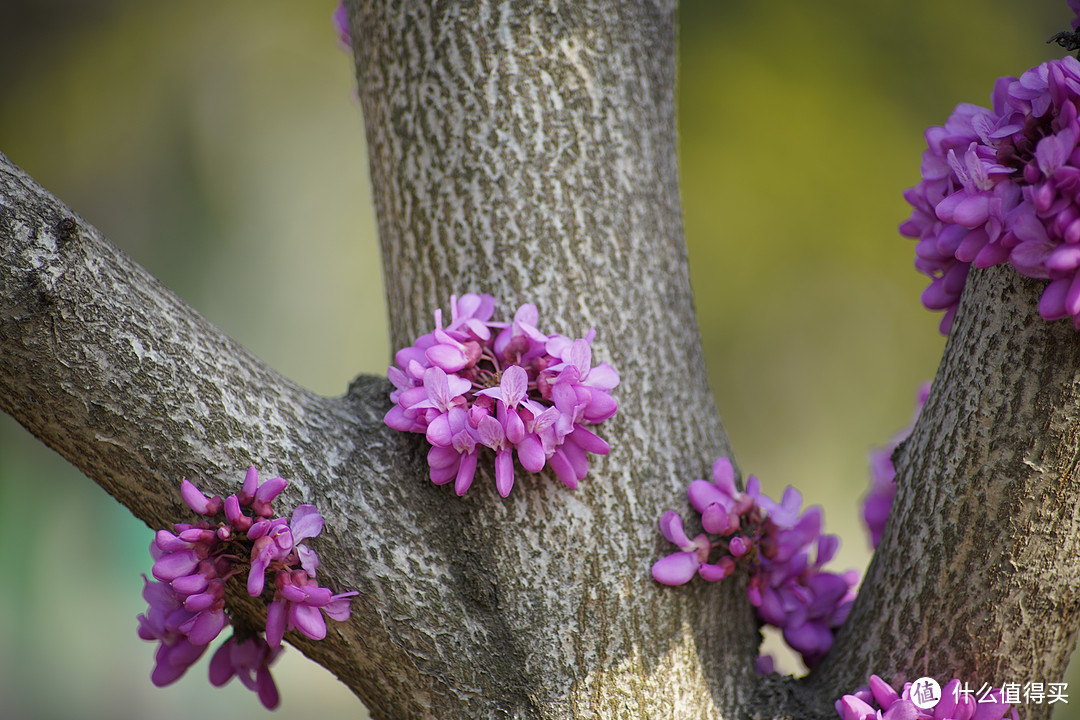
[[67, 229], [1068, 40]]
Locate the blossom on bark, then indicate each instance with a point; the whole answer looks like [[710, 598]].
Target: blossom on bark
[[249, 660], [193, 563], [780, 545], [878, 500], [1002, 185], [478, 383], [340, 18]]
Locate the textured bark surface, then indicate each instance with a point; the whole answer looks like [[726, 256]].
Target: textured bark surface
[[979, 567], [137, 390], [528, 151]]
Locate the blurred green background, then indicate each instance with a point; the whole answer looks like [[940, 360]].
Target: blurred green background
[[220, 145]]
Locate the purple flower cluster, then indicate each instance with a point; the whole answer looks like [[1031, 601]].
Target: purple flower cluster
[[881, 702], [775, 542], [506, 386], [878, 500], [1003, 185], [193, 563], [340, 18]]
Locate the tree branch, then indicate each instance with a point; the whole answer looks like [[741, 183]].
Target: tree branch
[[137, 390], [978, 572]]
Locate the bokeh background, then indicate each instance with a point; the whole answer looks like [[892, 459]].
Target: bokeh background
[[219, 144]]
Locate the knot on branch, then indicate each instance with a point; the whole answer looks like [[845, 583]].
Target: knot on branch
[[39, 256]]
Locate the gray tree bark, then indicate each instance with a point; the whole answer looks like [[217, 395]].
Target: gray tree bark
[[979, 567], [529, 152]]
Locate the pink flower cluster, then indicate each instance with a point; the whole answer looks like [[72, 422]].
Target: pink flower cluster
[[1003, 185], [880, 701], [775, 542], [505, 386], [193, 564], [879, 499]]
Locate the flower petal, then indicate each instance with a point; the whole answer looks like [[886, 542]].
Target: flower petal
[[306, 523], [675, 569], [504, 471], [671, 525], [309, 620]]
